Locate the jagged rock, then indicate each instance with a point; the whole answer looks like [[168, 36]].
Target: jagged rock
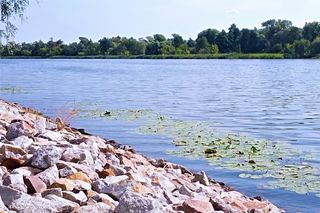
[[163, 181], [131, 202], [53, 191], [113, 185], [15, 181], [50, 175], [3, 172], [79, 167], [45, 157], [117, 170], [30, 204], [35, 184], [21, 141], [80, 176], [26, 171], [8, 151], [79, 197], [52, 135], [76, 155], [202, 178], [106, 172], [68, 185], [67, 171], [61, 204], [64, 184], [197, 206], [97, 208], [112, 159], [19, 128], [186, 191], [2, 206], [9, 194]]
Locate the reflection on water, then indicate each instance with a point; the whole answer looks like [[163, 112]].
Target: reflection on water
[[277, 100]]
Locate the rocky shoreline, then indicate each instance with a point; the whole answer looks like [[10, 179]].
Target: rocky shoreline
[[47, 166]]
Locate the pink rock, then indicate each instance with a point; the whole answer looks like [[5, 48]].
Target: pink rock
[[197, 206], [35, 184]]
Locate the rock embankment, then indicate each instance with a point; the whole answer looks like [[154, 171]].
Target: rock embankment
[[47, 166]]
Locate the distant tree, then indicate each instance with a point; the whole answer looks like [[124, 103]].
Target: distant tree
[[177, 40], [234, 35], [311, 30], [183, 49], [209, 34], [159, 37], [251, 41], [302, 48], [166, 48], [153, 48], [70, 50], [202, 45], [104, 45], [315, 46], [223, 42]]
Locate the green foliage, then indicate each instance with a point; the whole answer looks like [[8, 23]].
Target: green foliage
[[276, 39], [302, 48], [315, 46], [10, 9]]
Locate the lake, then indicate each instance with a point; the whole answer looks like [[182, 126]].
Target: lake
[[274, 100]]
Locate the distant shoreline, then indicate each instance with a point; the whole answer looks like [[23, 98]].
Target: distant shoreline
[[192, 56]]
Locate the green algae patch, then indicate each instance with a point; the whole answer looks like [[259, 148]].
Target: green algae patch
[[281, 164], [10, 90]]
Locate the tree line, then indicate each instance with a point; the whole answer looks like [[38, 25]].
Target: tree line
[[274, 36]]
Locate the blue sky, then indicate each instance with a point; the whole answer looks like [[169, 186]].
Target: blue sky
[[69, 19]]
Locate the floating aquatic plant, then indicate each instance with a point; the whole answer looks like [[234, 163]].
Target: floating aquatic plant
[[279, 162], [11, 90]]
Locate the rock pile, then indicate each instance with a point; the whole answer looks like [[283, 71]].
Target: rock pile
[[49, 167]]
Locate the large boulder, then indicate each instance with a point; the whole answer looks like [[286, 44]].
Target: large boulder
[[19, 128], [96, 208], [112, 185], [45, 157], [131, 202], [50, 175]]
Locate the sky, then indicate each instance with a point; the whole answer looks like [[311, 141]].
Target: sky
[[69, 19]]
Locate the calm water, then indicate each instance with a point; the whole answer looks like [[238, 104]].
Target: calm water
[[270, 99]]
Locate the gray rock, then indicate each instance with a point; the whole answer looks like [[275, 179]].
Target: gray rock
[[2, 206], [22, 141], [50, 175], [53, 191], [15, 181], [40, 124], [76, 155], [8, 195], [116, 169], [19, 128], [67, 171], [45, 157], [3, 172], [52, 135], [112, 185], [202, 178], [131, 202], [79, 167], [30, 204], [26, 171], [96, 208], [186, 191], [61, 204], [79, 197]]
